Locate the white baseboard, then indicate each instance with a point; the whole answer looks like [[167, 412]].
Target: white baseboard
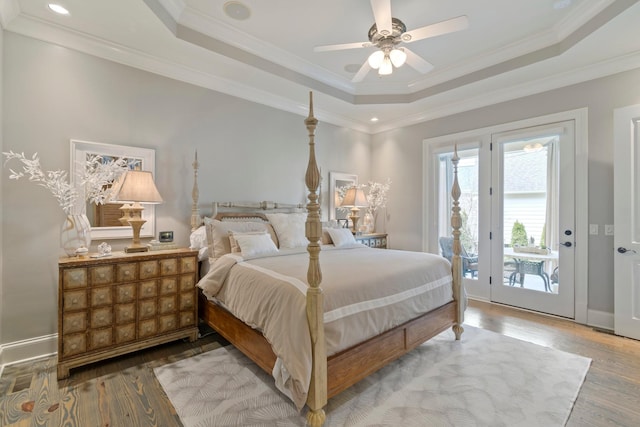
[[21, 351]]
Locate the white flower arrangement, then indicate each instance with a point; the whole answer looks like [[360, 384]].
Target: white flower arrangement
[[96, 177], [376, 193]]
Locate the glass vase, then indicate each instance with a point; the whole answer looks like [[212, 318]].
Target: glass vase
[[369, 223], [75, 234]]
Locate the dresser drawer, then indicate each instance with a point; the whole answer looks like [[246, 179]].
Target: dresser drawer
[[187, 319], [169, 267], [101, 296], [75, 300], [125, 333], [187, 300], [74, 278], [188, 265], [126, 293], [148, 289], [100, 338], [147, 308], [167, 304], [168, 323], [125, 313], [147, 328], [168, 285], [102, 275], [74, 322], [127, 272], [148, 269], [74, 344], [187, 282], [101, 317]]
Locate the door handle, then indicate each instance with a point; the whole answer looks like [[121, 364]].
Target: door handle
[[622, 250], [567, 244]]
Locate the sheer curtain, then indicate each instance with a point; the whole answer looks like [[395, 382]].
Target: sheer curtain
[[553, 185]]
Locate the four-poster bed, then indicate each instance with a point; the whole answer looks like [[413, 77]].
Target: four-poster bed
[[349, 359]]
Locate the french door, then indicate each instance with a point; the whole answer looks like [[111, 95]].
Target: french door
[[533, 225], [518, 212]]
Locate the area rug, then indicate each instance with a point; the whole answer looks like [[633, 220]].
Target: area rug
[[486, 379]]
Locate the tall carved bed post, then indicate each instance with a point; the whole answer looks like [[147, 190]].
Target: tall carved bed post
[[456, 261], [195, 212], [317, 397]]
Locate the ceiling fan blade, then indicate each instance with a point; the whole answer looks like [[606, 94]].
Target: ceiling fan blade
[[417, 62], [433, 30], [343, 46], [382, 15], [362, 72]]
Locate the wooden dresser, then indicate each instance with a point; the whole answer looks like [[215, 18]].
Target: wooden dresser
[[374, 240], [123, 303]]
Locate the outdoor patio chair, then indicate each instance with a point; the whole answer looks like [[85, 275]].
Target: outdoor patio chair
[[469, 262]]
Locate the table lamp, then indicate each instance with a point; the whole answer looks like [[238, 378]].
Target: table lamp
[[133, 188], [354, 199]]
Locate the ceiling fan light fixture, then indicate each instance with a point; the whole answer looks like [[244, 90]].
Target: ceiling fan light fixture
[[385, 68], [398, 57], [376, 59]]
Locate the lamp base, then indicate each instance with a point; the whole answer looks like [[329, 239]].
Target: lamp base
[[133, 249]]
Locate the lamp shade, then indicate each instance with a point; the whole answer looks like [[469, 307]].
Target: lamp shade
[[135, 186], [375, 59], [385, 68], [354, 198]]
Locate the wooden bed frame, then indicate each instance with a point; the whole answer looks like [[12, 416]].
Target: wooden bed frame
[[331, 375]]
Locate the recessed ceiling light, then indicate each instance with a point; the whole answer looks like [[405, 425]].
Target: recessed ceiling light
[[374, 119], [561, 4], [60, 10], [236, 10]]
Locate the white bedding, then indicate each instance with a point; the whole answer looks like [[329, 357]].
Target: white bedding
[[367, 291]]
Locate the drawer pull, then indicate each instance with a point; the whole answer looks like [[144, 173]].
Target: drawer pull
[[170, 305], [127, 273], [126, 293], [148, 329], [74, 346], [148, 290], [101, 297], [148, 309], [101, 318], [74, 300], [170, 324], [148, 270], [75, 323]]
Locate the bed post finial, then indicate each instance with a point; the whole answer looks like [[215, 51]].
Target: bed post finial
[[195, 212], [456, 261], [317, 397]]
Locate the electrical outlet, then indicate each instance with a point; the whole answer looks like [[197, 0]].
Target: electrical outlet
[[593, 229], [608, 230]]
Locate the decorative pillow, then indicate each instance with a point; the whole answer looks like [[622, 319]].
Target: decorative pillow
[[290, 229], [218, 234], [341, 237], [233, 242], [326, 238], [254, 245], [198, 238]]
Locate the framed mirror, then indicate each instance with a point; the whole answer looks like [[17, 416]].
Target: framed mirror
[[339, 180], [104, 219]]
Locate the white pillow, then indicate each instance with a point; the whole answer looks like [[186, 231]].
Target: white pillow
[[218, 234], [341, 237], [198, 238], [234, 242], [254, 245], [290, 229]]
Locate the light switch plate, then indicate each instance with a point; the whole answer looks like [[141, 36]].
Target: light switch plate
[[593, 229], [608, 229]]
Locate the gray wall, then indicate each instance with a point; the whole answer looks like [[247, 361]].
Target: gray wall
[[398, 154], [53, 94]]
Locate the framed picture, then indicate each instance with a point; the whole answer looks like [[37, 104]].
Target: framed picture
[[104, 218], [338, 183]]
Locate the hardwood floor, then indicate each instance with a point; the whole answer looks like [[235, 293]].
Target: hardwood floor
[[124, 391]]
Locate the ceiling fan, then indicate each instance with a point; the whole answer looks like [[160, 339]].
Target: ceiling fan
[[387, 33]]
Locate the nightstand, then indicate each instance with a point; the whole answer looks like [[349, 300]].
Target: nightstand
[[123, 303], [375, 240]]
